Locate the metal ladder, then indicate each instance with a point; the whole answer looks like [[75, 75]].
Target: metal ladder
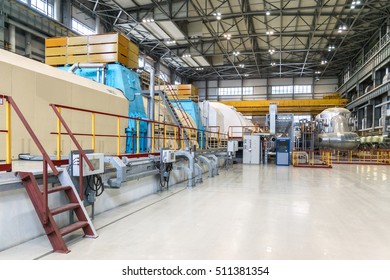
[[168, 104], [53, 232], [39, 195]]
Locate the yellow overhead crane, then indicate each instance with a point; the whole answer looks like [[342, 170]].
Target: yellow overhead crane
[[296, 106]]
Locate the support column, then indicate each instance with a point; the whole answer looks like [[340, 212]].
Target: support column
[[67, 13], [57, 10], [98, 27], [2, 27], [12, 37], [28, 50]]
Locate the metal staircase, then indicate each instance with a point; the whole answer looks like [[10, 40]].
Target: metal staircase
[[168, 104], [75, 205], [39, 195]]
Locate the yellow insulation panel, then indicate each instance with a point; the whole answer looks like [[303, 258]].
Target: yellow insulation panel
[[114, 47]]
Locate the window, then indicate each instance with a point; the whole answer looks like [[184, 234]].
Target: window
[[236, 91], [291, 89], [163, 76], [81, 28], [43, 6], [141, 61], [302, 117]]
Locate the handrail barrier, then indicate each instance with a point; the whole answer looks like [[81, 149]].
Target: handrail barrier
[[238, 131], [169, 132], [311, 158], [8, 159], [322, 158], [361, 156], [60, 120], [10, 104]]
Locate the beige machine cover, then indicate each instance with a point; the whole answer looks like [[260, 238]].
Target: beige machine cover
[[34, 85]]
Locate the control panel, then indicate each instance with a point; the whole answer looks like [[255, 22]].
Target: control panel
[[96, 159], [168, 156], [232, 146]]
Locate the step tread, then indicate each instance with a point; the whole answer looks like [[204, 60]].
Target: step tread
[[58, 189], [64, 208], [73, 227]]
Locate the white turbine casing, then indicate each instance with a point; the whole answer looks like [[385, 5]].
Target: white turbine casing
[[224, 116]]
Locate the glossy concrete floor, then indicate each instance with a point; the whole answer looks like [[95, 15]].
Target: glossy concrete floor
[[247, 212]]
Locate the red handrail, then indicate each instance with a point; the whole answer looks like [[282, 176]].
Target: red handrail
[[46, 158], [79, 148], [126, 117]]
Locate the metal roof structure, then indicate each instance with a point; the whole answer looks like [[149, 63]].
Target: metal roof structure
[[230, 39]]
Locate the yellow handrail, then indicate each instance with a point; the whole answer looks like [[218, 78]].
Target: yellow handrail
[[58, 156], [93, 120], [118, 139], [8, 133]]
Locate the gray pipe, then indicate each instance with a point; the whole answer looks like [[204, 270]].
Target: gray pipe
[[209, 165], [215, 159], [79, 65], [191, 166], [200, 173]]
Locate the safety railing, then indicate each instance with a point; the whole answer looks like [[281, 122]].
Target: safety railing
[[7, 166], [47, 162], [359, 63], [311, 158], [83, 156], [163, 135], [238, 132], [364, 156]]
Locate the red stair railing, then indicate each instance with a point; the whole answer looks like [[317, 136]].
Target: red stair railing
[[79, 148], [46, 159]]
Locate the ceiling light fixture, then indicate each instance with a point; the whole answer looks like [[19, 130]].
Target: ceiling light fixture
[[273, 63], [342, 28], [355, 3], [317, 72], [236, 53], [331, 47], [227, 36], [271, 51], [186, 55], [199, 68], [241, 65], [324, 61], [269, 33], [268, 13], [218, 15], [171, 42], [148, 20]]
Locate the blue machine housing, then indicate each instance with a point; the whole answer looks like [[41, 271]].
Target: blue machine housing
[[192, 109], [127, 81]]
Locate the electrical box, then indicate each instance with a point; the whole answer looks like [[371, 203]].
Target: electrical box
[[96, 159], [168, 156], [232, 146], [283, 151], [251, 153]]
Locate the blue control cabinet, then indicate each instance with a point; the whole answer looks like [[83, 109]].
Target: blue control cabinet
[[283, 151]]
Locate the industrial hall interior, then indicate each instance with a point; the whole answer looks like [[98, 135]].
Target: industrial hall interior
[[194, 129]]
